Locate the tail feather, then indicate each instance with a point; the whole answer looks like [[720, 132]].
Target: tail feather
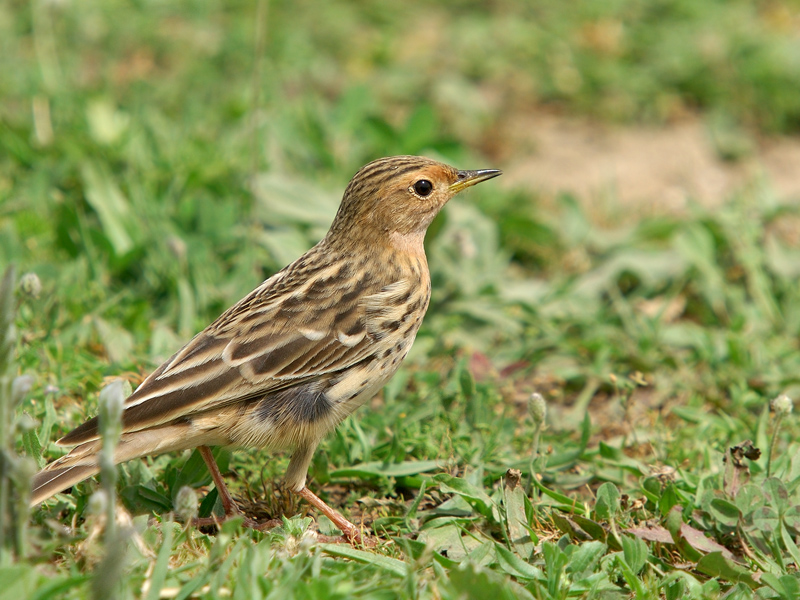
[[82, 462], [49, 482]]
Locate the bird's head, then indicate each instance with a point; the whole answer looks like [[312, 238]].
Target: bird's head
[[398, 197]]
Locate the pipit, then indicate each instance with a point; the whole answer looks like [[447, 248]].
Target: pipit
[[287, 363]]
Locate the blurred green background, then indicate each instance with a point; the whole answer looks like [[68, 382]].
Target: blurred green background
[[160, 158]]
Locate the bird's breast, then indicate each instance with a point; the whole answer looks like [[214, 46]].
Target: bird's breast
[[369, 338]]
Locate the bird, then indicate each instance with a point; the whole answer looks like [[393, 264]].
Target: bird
[[285, 365]]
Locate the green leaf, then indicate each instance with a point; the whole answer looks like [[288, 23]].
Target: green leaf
[[786, 586], [669, 500], [394, 566], [762, 432], [190, 588], [411, 513], [607, 504], [696, 245], [519, 531], [33, 449], [717, 565], [594, 529], [141, 496], [466, 382], [476, 497], [740, 591], [208, 504], [749, 499], [566, 525], [110, 204], [679, 585], [54, 588], [725, 512], [792, 518], [194, 473], [514, 565], [776, 493], [569, 504], [635, 552], [161, 566], [381, 469], [793, 476], [634, 582], [448, 538], [470, 581], [651, 488], [584, 558], [555, 560], [18, 581], [417, 550], [766, 518], [791, 547], [610, 452]]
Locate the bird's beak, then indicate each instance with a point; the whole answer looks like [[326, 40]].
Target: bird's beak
[[469, 178]]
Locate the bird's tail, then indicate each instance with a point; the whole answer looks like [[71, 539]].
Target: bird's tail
[[82, 461], [51, 480]]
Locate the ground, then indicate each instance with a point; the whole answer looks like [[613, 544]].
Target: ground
[[642, 171]]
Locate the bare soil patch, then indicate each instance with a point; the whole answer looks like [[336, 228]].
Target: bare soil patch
[[642, 170]]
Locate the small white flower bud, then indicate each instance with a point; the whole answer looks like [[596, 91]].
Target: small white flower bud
[[308, 540], [98, 502], [186, 504], [20, 387], [30, 285], [537, 407], [26, 423], [782, 405]]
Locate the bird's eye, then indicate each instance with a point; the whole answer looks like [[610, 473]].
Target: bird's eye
[[423, 187]]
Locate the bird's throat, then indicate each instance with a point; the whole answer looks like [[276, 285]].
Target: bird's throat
[[412, 244]]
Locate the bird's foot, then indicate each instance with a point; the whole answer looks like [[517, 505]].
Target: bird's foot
[[350, 533]]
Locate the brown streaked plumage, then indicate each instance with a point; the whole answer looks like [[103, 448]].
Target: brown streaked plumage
[[287, 363]]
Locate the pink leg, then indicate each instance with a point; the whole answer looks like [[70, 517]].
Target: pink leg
[[228, 503], [349, 530]]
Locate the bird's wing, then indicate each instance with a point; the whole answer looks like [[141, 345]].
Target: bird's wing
[[279, 336]]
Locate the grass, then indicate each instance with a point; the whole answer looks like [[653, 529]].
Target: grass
[[159, 160]]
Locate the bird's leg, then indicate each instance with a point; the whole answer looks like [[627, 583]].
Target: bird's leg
[[296, 481], [228, 505], [299, 463], [349, 530]]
